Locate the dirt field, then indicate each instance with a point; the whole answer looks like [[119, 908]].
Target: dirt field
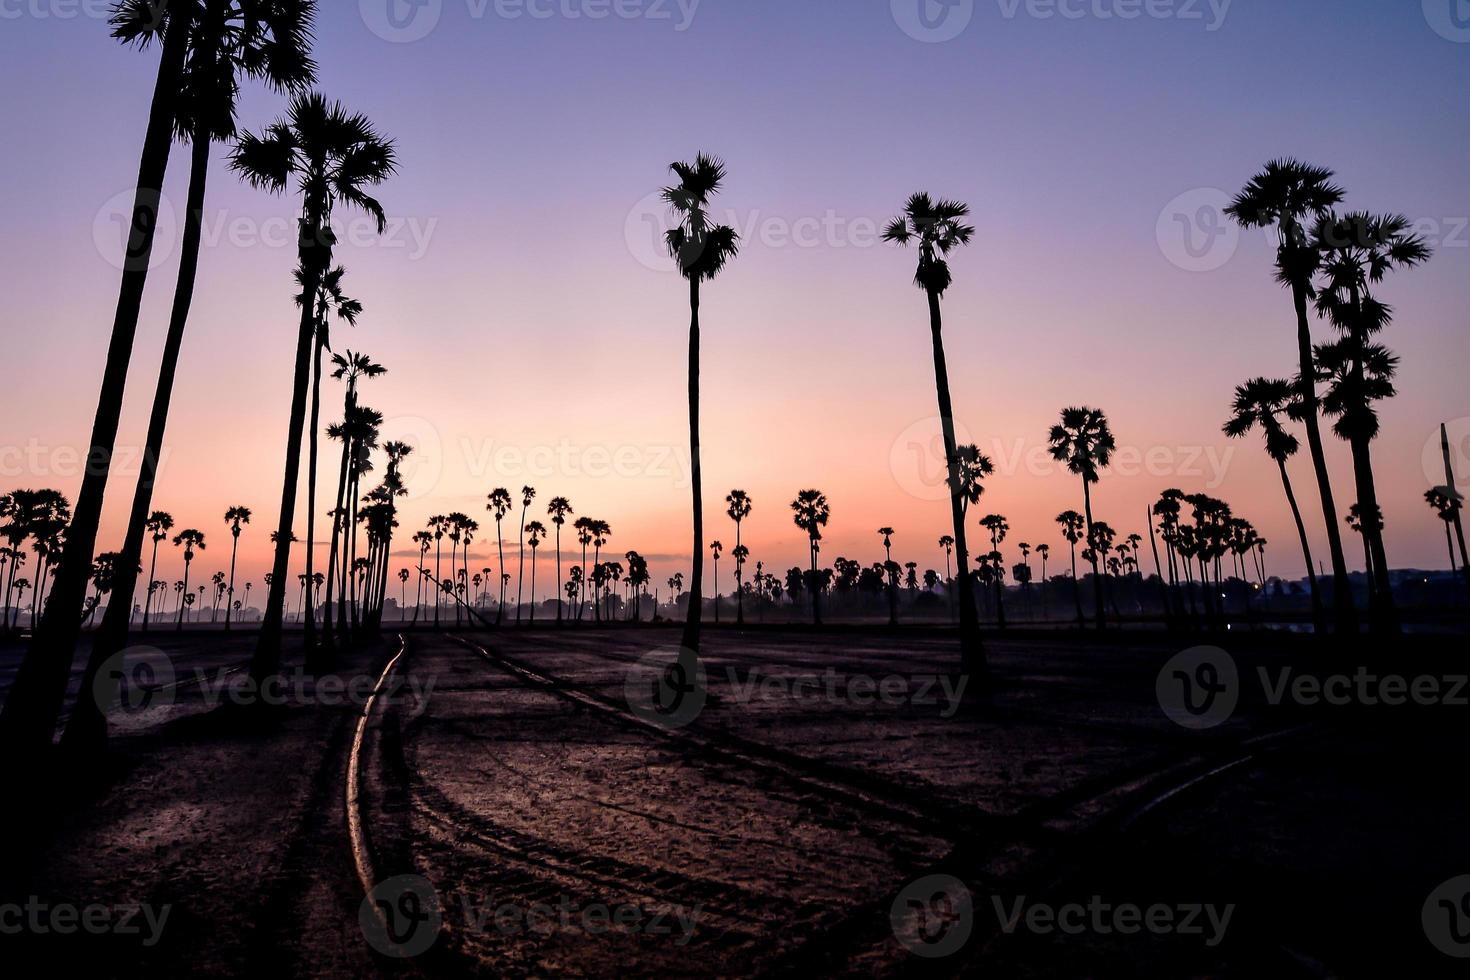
[[517, 805]]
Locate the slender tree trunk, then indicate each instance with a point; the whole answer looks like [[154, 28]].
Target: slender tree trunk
[[186, 592], [739, 582], [533, 587], [521, 572], [500, 550], [234, 553], [1386, 611], [1319, 614], [1344, 609], [28, 720], [690, 640], [815, 590], [1153, 541], [267, 658], [1092, 547], [308, 614], [972, 651], [558, 575], [1077, 587]]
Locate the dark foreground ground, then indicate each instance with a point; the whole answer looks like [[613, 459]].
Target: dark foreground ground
[[515, 805]]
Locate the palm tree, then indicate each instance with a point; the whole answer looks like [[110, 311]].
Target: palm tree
[[1073, 525], [998, 527], [499, 505], [537, 533], [1449, 481], [584, 526], [887, 533], [1358, 250], [234, 517], [1261, 402], [558, 509], [402, 592], [601, 531], [811, 515], [1446, 504], [527, 495], [1044, 552], [702, 249], [1084, 442], [159, 523], [335, 156], [190, 540], [716, 548], [1288, 195], [425, 541], [738, 506]]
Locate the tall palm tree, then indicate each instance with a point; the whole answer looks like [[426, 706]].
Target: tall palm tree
[[528, 494], [1446, 504], [716, 548], [1290, 195], [887, 533], [938, 227], [1043, 551], [267, 40], [190, 540], [234, 517], [499, 505], [738, 506], [1261, 402], [998, 527], [425, 541], [536, 532], [584, 526], [1358, 251], [335, 157], [811, 513], [601, 531], [159, 523], [701, 249], [1073, 525], [1084, 442], [558, 509]]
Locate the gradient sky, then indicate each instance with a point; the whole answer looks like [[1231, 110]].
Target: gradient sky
[[521, 307]]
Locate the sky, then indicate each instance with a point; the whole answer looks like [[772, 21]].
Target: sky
[[534, 334]]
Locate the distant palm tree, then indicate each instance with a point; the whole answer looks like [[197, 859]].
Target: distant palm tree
[[1073, 525], [939, 228], [402, 592], [1261, 402], [335, 156], [527, 495], [1446, 504], [702, 249], [738, 506], [537, 532], [158, 525], [499, 505], [1084, 442], [559, 508], [584, 527], [1361, 521], [715, 548], [887, 534], [425, 541], [1043, 551], [601, 531], [811, 515], [998, 527], [1358, 250], [1289, 195], [234, 517], [190, 540]]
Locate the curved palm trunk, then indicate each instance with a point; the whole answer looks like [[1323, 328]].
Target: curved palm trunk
[[267, 658], [972, 652], [1153, 542], [182, 605], [690, 640], [28, 719], [438, 582], [1319, 614], [1344, 609]]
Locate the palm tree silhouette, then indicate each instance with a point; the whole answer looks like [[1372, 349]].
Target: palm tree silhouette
[[425, 541], [1358, 250], [887, 534], [584, 527], [527, 495], [1084, 442], [601, 531], [701, 249], [335, 156], [811, 515], [234, 517], [1446, 504], [1073, 525], [715, 548], [190, 540], [939, 228], [998, 527], [158, 525], [559, 508], [1288, 195], [1044, 552], [1261, 402], [499, 505], [738, 506]]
